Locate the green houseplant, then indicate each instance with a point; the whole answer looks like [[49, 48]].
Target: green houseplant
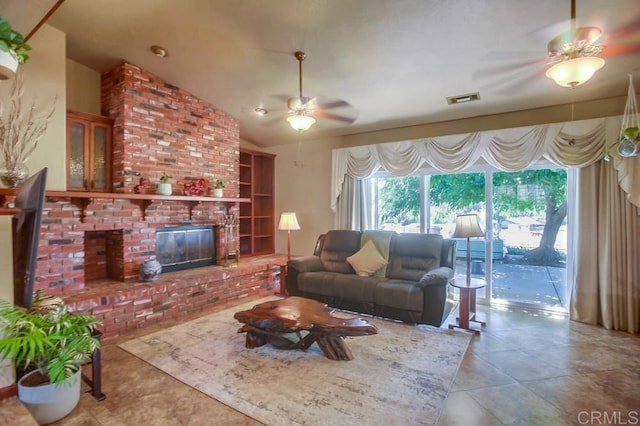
[[217, 186], [13, 50], [164, 187], [54, 344]]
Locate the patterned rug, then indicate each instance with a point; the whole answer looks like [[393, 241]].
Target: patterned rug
[[400, 376]]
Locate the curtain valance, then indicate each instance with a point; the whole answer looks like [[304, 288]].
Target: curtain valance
[[570, 144]]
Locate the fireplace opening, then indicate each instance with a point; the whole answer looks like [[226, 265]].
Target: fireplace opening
[[185, 247], [103, 255]]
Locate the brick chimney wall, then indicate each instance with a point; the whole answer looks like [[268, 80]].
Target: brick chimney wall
[[161, 128], [158, 128]]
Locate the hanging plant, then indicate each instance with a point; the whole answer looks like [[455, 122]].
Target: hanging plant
[[13, 42], [628, 144]]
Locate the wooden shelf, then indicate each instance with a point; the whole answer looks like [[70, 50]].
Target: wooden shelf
[[83, 199], [257, 181]]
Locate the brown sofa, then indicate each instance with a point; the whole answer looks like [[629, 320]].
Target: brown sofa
[[413, 288]]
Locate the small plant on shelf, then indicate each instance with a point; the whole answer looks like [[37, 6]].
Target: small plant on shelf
[[164, 178], [216, 183], [164, 188]]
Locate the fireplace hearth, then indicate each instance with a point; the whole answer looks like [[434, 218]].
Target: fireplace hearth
[[186, 247]]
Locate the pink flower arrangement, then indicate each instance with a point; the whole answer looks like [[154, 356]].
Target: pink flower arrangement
[[197, 187]]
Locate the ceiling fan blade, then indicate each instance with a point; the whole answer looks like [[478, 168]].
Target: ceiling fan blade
[[505, 85], [329, 116], [504, 68], [334, 104]]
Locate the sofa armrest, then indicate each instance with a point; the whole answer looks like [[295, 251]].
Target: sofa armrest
[[437, 276], [436, 307], [298, 266]]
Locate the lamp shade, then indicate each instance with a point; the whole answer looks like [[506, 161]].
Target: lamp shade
[[300, 121], [288, 222], [574, 72], [467, 226]]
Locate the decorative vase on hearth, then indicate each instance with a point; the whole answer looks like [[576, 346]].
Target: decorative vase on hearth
[[150, 270], [12, 175]]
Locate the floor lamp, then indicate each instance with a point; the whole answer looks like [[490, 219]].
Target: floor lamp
[[288, 222], [467, 226]]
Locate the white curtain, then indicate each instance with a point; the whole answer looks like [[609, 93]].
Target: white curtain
[[572, 144], [606, 290]]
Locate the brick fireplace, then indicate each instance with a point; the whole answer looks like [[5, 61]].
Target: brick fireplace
[[158, 128]]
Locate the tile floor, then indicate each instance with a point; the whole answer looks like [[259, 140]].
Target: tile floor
[[526, 368]]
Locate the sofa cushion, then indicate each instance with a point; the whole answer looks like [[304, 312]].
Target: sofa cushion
[[336, 247], [356, 288], [414, 254], [400, 294], [367, 260], [317, 282]]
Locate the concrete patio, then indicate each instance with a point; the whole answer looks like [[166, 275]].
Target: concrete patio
[[545, 286]]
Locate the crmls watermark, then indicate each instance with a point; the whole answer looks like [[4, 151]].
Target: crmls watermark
[[608, 418]]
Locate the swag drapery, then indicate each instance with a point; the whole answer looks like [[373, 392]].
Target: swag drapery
[[572, 144]]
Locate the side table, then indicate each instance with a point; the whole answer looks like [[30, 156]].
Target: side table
[[467, 310]]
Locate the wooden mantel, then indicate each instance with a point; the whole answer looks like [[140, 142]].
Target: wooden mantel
[[83, 199]]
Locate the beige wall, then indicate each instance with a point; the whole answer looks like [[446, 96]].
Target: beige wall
[[44, 79], [83, 88]]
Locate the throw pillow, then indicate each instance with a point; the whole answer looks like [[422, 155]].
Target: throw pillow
[[367, 260]]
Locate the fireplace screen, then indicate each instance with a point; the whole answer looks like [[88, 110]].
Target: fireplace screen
[[185, 247]]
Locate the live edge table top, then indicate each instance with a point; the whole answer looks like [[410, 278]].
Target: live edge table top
[[268, 322]]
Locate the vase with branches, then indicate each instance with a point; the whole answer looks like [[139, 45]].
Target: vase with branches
[[21, 128]]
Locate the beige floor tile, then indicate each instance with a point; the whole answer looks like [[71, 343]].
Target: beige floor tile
[[515, 404], [462, 410], [476, 373]]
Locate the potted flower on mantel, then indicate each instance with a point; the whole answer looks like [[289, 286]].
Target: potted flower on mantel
[[13, 50], [164, 187], [52, 342], [217, 185]]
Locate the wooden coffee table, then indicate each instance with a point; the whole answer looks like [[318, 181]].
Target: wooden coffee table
[[310, 321]]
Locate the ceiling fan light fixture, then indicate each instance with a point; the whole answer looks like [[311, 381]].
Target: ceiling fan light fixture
[[300, 121], [576, 71]]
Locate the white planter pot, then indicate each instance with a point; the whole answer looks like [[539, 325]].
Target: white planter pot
[[50, 403], [217, 192], [164, 189], [8, 65]]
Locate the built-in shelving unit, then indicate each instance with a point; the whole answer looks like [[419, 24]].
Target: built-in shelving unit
[[257, 222]]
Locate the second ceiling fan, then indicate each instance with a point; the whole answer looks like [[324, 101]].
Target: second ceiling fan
[[304, 110]]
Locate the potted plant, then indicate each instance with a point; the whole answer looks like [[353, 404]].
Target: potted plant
[[217, 185], [628, 144], [164, 187], [13, 50], [53, 343]]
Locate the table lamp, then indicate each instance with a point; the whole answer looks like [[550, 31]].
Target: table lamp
[[288, 222], [467, 226]]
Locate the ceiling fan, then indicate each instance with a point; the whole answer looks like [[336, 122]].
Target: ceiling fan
[[571, 59], [304, 110], [573, 55]]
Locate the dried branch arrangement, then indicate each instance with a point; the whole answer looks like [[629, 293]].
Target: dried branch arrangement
[[22, 127]]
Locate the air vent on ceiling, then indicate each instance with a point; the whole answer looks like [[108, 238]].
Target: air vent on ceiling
[[452, 100]]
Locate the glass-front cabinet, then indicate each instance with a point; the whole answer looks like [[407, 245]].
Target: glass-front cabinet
[[88, 152]]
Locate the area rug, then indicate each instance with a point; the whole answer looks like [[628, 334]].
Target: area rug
[[400, 376]]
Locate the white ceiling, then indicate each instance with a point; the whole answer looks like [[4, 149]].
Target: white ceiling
[[393, 61]]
